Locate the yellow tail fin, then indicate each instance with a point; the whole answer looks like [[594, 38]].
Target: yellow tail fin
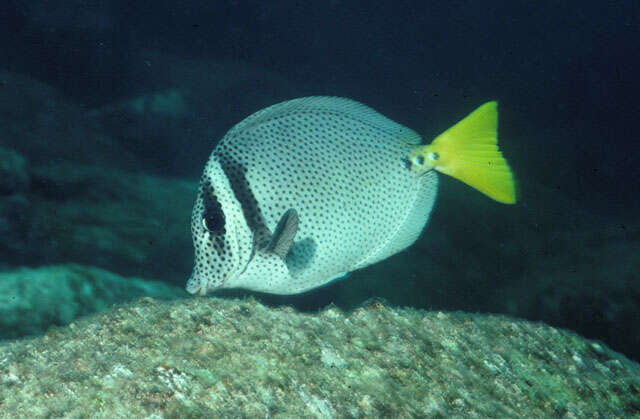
[[468, 151]]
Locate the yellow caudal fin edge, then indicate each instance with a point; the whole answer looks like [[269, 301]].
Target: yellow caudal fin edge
[[468, 151]]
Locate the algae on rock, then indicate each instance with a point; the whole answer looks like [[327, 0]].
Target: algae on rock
[[204, 357]]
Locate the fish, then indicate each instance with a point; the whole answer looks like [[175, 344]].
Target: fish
[[303, 192]]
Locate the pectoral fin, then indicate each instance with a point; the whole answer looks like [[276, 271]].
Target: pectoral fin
[[282, 238]]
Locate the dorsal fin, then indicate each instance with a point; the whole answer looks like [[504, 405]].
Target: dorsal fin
[[338, 105]]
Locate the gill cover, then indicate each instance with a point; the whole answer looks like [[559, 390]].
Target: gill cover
[[468, 151]]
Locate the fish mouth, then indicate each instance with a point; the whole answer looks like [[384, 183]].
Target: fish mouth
[[195, 285], [223, 277]]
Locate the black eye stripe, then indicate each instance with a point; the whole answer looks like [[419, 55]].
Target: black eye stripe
[[213, 215], [237, 175]]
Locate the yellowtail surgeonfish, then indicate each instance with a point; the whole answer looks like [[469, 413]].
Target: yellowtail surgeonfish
[[303, 192]]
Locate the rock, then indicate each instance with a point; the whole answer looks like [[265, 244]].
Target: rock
[[204, 357], [15, 208], [43, 126], [32, 300], [16, 221], [14, 173], [588, 284], [127, 223], [179, 108]]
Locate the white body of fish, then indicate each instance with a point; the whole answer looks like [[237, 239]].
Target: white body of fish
[[339, 165]]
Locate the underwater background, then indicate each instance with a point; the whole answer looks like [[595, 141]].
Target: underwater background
[[109, 110]]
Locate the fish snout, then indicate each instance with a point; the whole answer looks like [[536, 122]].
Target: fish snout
[[195, 284]]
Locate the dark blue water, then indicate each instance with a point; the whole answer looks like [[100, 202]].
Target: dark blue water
[[95, 94]]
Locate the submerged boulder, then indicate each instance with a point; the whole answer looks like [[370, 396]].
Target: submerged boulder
[[127, 223], [204, 357], [15, 208], [32, 300]]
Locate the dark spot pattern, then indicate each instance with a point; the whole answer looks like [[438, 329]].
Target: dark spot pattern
[[342, 167]]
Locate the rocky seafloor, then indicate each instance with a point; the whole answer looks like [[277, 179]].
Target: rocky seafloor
[[205, 357]]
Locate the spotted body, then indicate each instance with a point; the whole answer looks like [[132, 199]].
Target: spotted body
[[303, 192]]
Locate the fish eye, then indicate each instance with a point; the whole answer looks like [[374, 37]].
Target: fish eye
[[418, 160], [213, 222], [434, 156], [213, 219]]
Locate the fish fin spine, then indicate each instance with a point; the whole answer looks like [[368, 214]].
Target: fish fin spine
[[282, 238]]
